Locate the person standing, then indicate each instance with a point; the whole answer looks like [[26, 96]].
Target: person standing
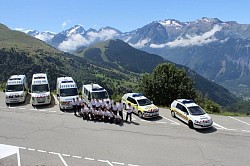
[[114, 108], [120, 109], [129, 112], [74, 106], [78, 105]]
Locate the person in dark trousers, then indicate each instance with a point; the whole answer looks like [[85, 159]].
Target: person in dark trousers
[[120, 108], [129, 110], [74, 105], [78, 105]]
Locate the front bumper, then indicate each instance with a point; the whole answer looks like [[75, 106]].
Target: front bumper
[[150, 115], [15, 100], [203, 126]]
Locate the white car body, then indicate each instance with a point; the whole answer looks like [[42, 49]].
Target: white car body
[[16, 89], [143, 109], [190, 113], [40, 91], [66, 91]]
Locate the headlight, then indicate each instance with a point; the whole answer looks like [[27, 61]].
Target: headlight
[[197, 122]]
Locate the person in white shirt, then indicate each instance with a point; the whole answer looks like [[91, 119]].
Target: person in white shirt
[[85, 112], [111, 116], [92, 102], [120, 109], [129, 110], [108, 105], [114, 108], [97, 104], [78, 105], [74, 105], [102, 102], [106, 115], [82, 101]]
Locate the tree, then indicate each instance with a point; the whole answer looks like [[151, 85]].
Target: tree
[[167, 83]]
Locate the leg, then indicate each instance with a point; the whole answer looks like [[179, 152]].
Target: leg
[[130, 116]]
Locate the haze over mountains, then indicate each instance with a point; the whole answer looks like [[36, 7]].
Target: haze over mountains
[[215, 49]]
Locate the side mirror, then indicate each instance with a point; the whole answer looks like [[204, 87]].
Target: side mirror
[[4, 91], [29, 91], [57, 95]]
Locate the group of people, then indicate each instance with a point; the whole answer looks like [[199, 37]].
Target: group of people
[[106, 110]]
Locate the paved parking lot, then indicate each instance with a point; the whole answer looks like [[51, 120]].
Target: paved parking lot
[[46, 136]]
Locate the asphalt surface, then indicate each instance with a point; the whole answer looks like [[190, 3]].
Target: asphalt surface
[[46, 136]]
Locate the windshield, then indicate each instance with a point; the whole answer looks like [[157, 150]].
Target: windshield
[[196, 110], [144, 102], [14, 88], [40, 88], [100, 95], [68, 92]]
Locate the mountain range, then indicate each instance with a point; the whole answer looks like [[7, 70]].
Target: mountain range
[[217, 50], [114, 64]]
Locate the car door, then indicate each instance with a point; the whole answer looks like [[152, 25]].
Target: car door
[[185, 114], [133, 104], [181, 112]]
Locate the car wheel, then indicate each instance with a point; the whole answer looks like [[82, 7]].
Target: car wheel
[[190, 124], [173, 114], [140, 114]]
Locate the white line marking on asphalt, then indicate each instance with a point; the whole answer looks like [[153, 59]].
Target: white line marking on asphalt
[[239, 120], [2, 107], [161, 122], [78, 157], [246, 131], [42, 110], [42, 151], [56, 100], [52, 111], [173, 122], [220, 127], [142, 120], [118, 163], [132, 165], [22, 148], [22, 108], [106, 161], [33, 109], [53, 153], [231, 129], [31, 149], [66, 155], [12, 107], [65, 164], [87, 158]]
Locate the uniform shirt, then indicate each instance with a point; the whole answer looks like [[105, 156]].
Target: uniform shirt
[[115, 108], [97, 103], [130, 109], [119, 106], [77, 102], [82, 101], [108, 106], [73, 102], [92, 102]]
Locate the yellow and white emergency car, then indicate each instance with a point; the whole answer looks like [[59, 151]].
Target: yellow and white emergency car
[[143, 107], [190, 113]]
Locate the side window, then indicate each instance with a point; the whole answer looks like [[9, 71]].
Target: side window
[[131, 100], [184, 110], [179, 106]]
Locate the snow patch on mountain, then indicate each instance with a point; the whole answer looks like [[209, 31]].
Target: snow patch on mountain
[[45, 36], [191, 40]]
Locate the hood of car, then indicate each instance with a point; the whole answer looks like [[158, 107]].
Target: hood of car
[[44, 94], [201, 117], [68, 98], [14, 93]]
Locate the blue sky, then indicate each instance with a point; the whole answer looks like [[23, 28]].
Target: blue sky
[[125, 15]]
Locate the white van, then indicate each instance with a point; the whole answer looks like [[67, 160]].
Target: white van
[[16, 89], [94, 91], [66, 90], [40, 91]]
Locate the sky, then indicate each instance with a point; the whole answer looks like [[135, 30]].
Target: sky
[[124, 15]]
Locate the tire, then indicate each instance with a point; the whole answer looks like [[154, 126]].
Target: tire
[[140, 114], [173, 114], [190, 124]]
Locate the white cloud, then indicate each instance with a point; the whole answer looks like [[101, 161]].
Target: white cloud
[[141, 43], [44, 36], [77, 40], [72, 43], [65, 23], [20, 29], [191, 40]]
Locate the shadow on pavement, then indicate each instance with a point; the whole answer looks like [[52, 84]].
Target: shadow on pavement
[[154, 119], [207, 130]]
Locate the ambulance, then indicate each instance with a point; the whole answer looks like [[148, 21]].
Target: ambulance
[[16, 89], [94, 91], [66, 90], [40, 90]]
